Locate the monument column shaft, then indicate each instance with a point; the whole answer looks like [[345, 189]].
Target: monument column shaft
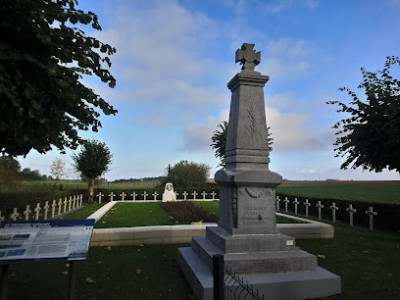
[[247, 187]]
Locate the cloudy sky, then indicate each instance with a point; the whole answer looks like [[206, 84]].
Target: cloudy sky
[[174, 59]]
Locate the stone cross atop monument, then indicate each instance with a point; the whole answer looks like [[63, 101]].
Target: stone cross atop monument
[[248, 57]]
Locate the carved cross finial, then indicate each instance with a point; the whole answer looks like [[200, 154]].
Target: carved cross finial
[[248, 57]]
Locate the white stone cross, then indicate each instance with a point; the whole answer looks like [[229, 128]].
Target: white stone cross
[[80, 200], [65, 204], [286, 201], [69, 203], [144, 195], [371, 214], [194, 195], [59, 206], [204, 194], [14, 214], [37, 211], [46, 209], [351, 210], [307, 204], [123, 196], [334, 208], [184, 194], [295, 205], [319, 206], [155, 194], [74, 202], [53, 208], [100, 195], [27, 212], [213, 194], [134, 196], [176, 194], [278, 204], [112, 196]]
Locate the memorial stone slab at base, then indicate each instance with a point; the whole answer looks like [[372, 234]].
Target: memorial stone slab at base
[[247, 235]]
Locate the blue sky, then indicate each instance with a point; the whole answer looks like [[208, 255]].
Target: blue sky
[[174, 59]]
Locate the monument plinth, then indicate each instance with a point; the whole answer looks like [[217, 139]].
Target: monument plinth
[[246, 235]]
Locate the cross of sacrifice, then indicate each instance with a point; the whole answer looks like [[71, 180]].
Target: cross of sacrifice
[[213, 195], [295, 205], [371, 214], [247, 57], [334, 208], [27, 212], [278, 204], [307, 204], [194, 195], [123, 196], [53, 208], [286, 201], [69, 203], [46, 209], [144, 195], [319, 206], [204, 194], [65, 204], [14, 214], [134, 196], [351, 210], [184, 194], [100, 195], [37, 211], [155, 194], [112, 196], [59, 206]]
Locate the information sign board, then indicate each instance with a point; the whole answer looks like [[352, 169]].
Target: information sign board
[[45, 240]]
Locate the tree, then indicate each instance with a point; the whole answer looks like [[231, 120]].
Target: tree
[[219, 141], [186, 174], [57, 168], [29, 174], [43, 59], [9, 163], [93, 161], [369, 136]]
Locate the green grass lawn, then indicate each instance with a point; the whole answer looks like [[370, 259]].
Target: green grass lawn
[[367, 261], [134, 214], [373, 193], [84, 212]]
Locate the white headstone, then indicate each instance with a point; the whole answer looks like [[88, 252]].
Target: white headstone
[[169, 194]]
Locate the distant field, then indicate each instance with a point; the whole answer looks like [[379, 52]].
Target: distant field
[[75, 184], [370, 191]]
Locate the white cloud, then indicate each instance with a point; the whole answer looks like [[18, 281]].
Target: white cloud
[[287, 58], [308, 171], [197, 137], [163, 53]]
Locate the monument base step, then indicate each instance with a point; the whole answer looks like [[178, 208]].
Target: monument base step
[[275, 286]]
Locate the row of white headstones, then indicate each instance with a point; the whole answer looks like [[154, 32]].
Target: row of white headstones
[[370, 212], [154, 196], [56, 209]]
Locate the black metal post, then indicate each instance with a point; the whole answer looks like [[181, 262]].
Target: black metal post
[[71, 280], [4, 281], [218, 275]]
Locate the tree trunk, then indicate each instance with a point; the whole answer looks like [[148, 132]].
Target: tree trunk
[[90, 190]]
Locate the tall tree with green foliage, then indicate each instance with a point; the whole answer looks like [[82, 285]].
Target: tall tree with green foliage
[[92, 162], [185, 174], [43, 58], [370, 135], [219, 141]]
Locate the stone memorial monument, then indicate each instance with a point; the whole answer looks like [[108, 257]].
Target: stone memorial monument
[[169, 194], [247, 235]]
